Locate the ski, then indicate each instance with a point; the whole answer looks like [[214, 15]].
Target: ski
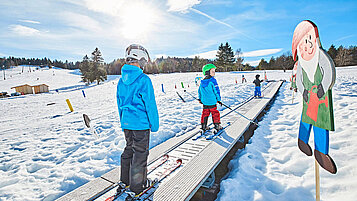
[[153, 166], [202, 134], [118, 193], [217, 133], [158, 163], [163, 175]]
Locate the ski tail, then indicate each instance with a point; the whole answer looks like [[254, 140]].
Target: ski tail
[[158, 163], [162, 176]]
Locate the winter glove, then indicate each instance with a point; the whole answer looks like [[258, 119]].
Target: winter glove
[[295, 89], [305, 95], [199, 101], [320, 91], [219, 102]]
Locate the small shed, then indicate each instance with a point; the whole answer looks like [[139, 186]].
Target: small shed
[[42, 88], [23, 89]]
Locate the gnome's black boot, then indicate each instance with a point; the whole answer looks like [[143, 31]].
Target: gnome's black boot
[[325, 161], [305, 147]]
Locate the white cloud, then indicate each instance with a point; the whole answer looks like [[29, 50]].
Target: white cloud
[[81, 21], [258, 53], [205, 55], [110, 7], [181, 5], [253, 63], [30, 21], [24, 30]]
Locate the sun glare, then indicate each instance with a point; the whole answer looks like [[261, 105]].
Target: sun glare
[[138, 20]]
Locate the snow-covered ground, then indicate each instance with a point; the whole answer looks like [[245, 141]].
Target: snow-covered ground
[[46, 151]]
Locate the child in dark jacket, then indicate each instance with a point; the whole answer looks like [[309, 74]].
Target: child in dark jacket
[[209, 95], [257, 81]]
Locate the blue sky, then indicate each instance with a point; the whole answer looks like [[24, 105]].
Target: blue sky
[[70, 29]]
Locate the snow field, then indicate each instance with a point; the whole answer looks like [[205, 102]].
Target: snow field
[[46, 151]]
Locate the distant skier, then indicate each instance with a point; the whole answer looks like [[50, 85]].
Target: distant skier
[[257, 81], [209, 95], [243, 79], [198, 80], [138, 114]]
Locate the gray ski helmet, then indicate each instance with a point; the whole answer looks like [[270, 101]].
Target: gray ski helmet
[[137, 53]]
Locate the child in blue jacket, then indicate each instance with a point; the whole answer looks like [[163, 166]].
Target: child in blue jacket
[[257, 81], [209, 95], [138, 115]]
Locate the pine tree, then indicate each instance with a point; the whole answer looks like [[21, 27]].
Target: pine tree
[[97, 67], [332, 51], [239, 60], [84, 67], [225, 57], [263, 65]]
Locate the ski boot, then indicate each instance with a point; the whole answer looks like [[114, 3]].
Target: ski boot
[[146, 186], [204, 128], [121, 187], [217, 127]]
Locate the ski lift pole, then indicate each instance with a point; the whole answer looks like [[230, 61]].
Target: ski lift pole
[[251, 121], [190, 94]]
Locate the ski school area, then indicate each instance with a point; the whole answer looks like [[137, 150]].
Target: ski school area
[[49, 153]]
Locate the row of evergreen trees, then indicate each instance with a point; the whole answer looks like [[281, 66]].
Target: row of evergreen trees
[[94, 68], [12, 61], [341, 56], [226, 60]]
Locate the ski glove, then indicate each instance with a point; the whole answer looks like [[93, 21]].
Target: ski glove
[[320, 91], [199, 100], [220, 103], [305, 95]]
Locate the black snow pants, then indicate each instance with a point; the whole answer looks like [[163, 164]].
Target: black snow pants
[[134, 159]]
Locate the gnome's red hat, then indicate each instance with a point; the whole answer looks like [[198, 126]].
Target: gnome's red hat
[[301, 29]]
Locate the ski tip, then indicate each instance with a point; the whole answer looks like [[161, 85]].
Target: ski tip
[[111, 198], [179, 160]]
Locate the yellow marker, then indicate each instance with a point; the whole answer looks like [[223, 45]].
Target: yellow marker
[[69, 105]]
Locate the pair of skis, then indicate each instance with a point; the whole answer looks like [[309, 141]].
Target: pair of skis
[[208, 135], [155, 165]]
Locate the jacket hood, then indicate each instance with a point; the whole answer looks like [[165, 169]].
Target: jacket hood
[[130, 73], [205, 82]]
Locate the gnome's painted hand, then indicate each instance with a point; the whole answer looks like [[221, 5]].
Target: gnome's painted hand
[[305, 95], [320, 91]]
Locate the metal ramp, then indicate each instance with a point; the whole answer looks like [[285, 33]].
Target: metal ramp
[[200, 157]]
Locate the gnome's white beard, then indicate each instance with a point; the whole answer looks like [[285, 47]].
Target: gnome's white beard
[[310, 66]]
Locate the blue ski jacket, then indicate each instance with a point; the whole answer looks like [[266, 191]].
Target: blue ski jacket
[[208, 92], [136, 100]]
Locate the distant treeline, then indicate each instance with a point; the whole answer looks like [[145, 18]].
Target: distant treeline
[[226, 60], [12, 61]]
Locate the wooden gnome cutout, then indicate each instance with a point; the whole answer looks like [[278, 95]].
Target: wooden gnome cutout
[[315, 77]]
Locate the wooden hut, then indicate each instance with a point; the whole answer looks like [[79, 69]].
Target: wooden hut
[[23, 89], [42, 88]]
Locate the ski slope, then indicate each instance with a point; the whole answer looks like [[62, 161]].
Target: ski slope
[[46, 150]]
